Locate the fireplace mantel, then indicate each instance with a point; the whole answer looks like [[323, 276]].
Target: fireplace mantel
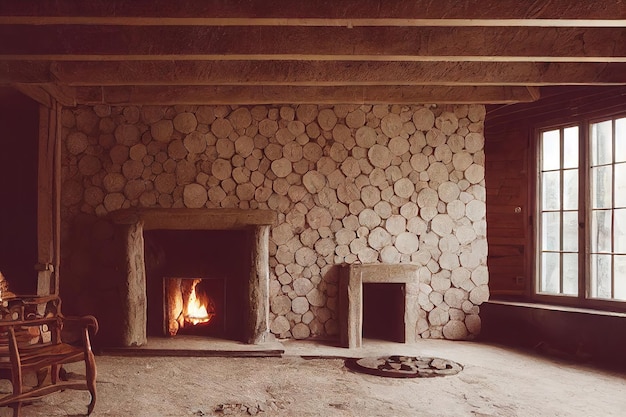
[[351, 283], [133, 222], [194, 219]]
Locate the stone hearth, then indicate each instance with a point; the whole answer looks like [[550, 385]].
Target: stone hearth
[[135, 221]]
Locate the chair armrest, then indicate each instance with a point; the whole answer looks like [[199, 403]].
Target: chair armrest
[[89, 322], [34, 299]]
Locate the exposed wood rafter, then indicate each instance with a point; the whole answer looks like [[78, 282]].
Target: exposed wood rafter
[[259, 51]]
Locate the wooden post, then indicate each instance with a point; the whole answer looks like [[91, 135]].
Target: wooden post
[[49, 200], [135, 308]]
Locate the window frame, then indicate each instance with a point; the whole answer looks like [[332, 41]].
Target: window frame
[[582, 299]]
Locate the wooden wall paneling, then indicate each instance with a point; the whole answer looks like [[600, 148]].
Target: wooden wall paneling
[[507, 182], [510, 178]]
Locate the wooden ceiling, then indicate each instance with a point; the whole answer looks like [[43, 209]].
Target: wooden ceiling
[[287, 51]]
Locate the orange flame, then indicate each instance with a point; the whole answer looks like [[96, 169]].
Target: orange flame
[[196, 311]]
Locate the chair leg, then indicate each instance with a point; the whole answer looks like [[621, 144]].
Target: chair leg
[[54, 373], [16, 381], [90, 373], [91, 385], [90, 376]]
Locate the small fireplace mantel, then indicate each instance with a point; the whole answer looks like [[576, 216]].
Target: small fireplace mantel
[[351, 282], [134, 221]]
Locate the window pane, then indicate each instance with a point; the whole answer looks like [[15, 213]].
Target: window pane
[[601, 276], [620, 277], [601, 231], [619, 233], [570, 147], [570, 189], [551, 231], [551, 192], [601, 187], [570, 231], [570, 273], [600, 263], [551, 150], [550, 272], [620, 140], [620, 185], [601, 143]]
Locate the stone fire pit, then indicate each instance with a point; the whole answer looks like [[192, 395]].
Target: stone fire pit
[[397, 366]]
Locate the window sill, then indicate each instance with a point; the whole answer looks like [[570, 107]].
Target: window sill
[[553, 307]]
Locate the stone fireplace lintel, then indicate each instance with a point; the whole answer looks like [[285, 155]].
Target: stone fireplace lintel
[[194, 219]]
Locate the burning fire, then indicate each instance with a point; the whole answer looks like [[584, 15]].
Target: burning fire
[[196, 311]]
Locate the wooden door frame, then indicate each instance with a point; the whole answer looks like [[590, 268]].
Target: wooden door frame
[[49, 199]]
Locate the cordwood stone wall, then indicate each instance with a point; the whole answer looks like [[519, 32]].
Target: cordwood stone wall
[[351, 184]]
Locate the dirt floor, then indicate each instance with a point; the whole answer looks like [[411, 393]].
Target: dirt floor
[[495, 381]]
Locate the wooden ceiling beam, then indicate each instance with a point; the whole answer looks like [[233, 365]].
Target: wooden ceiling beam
[[213, 95], [281, 51], [26, 72], [293, 12], [328, 73], [371, 22], [35, 92], [312, 43]]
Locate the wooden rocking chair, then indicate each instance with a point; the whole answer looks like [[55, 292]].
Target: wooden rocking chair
[[30, 340]]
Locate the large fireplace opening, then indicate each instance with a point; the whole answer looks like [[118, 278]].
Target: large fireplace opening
[[197, 282]]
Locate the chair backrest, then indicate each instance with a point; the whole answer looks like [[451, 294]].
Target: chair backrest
[[33, 320]]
